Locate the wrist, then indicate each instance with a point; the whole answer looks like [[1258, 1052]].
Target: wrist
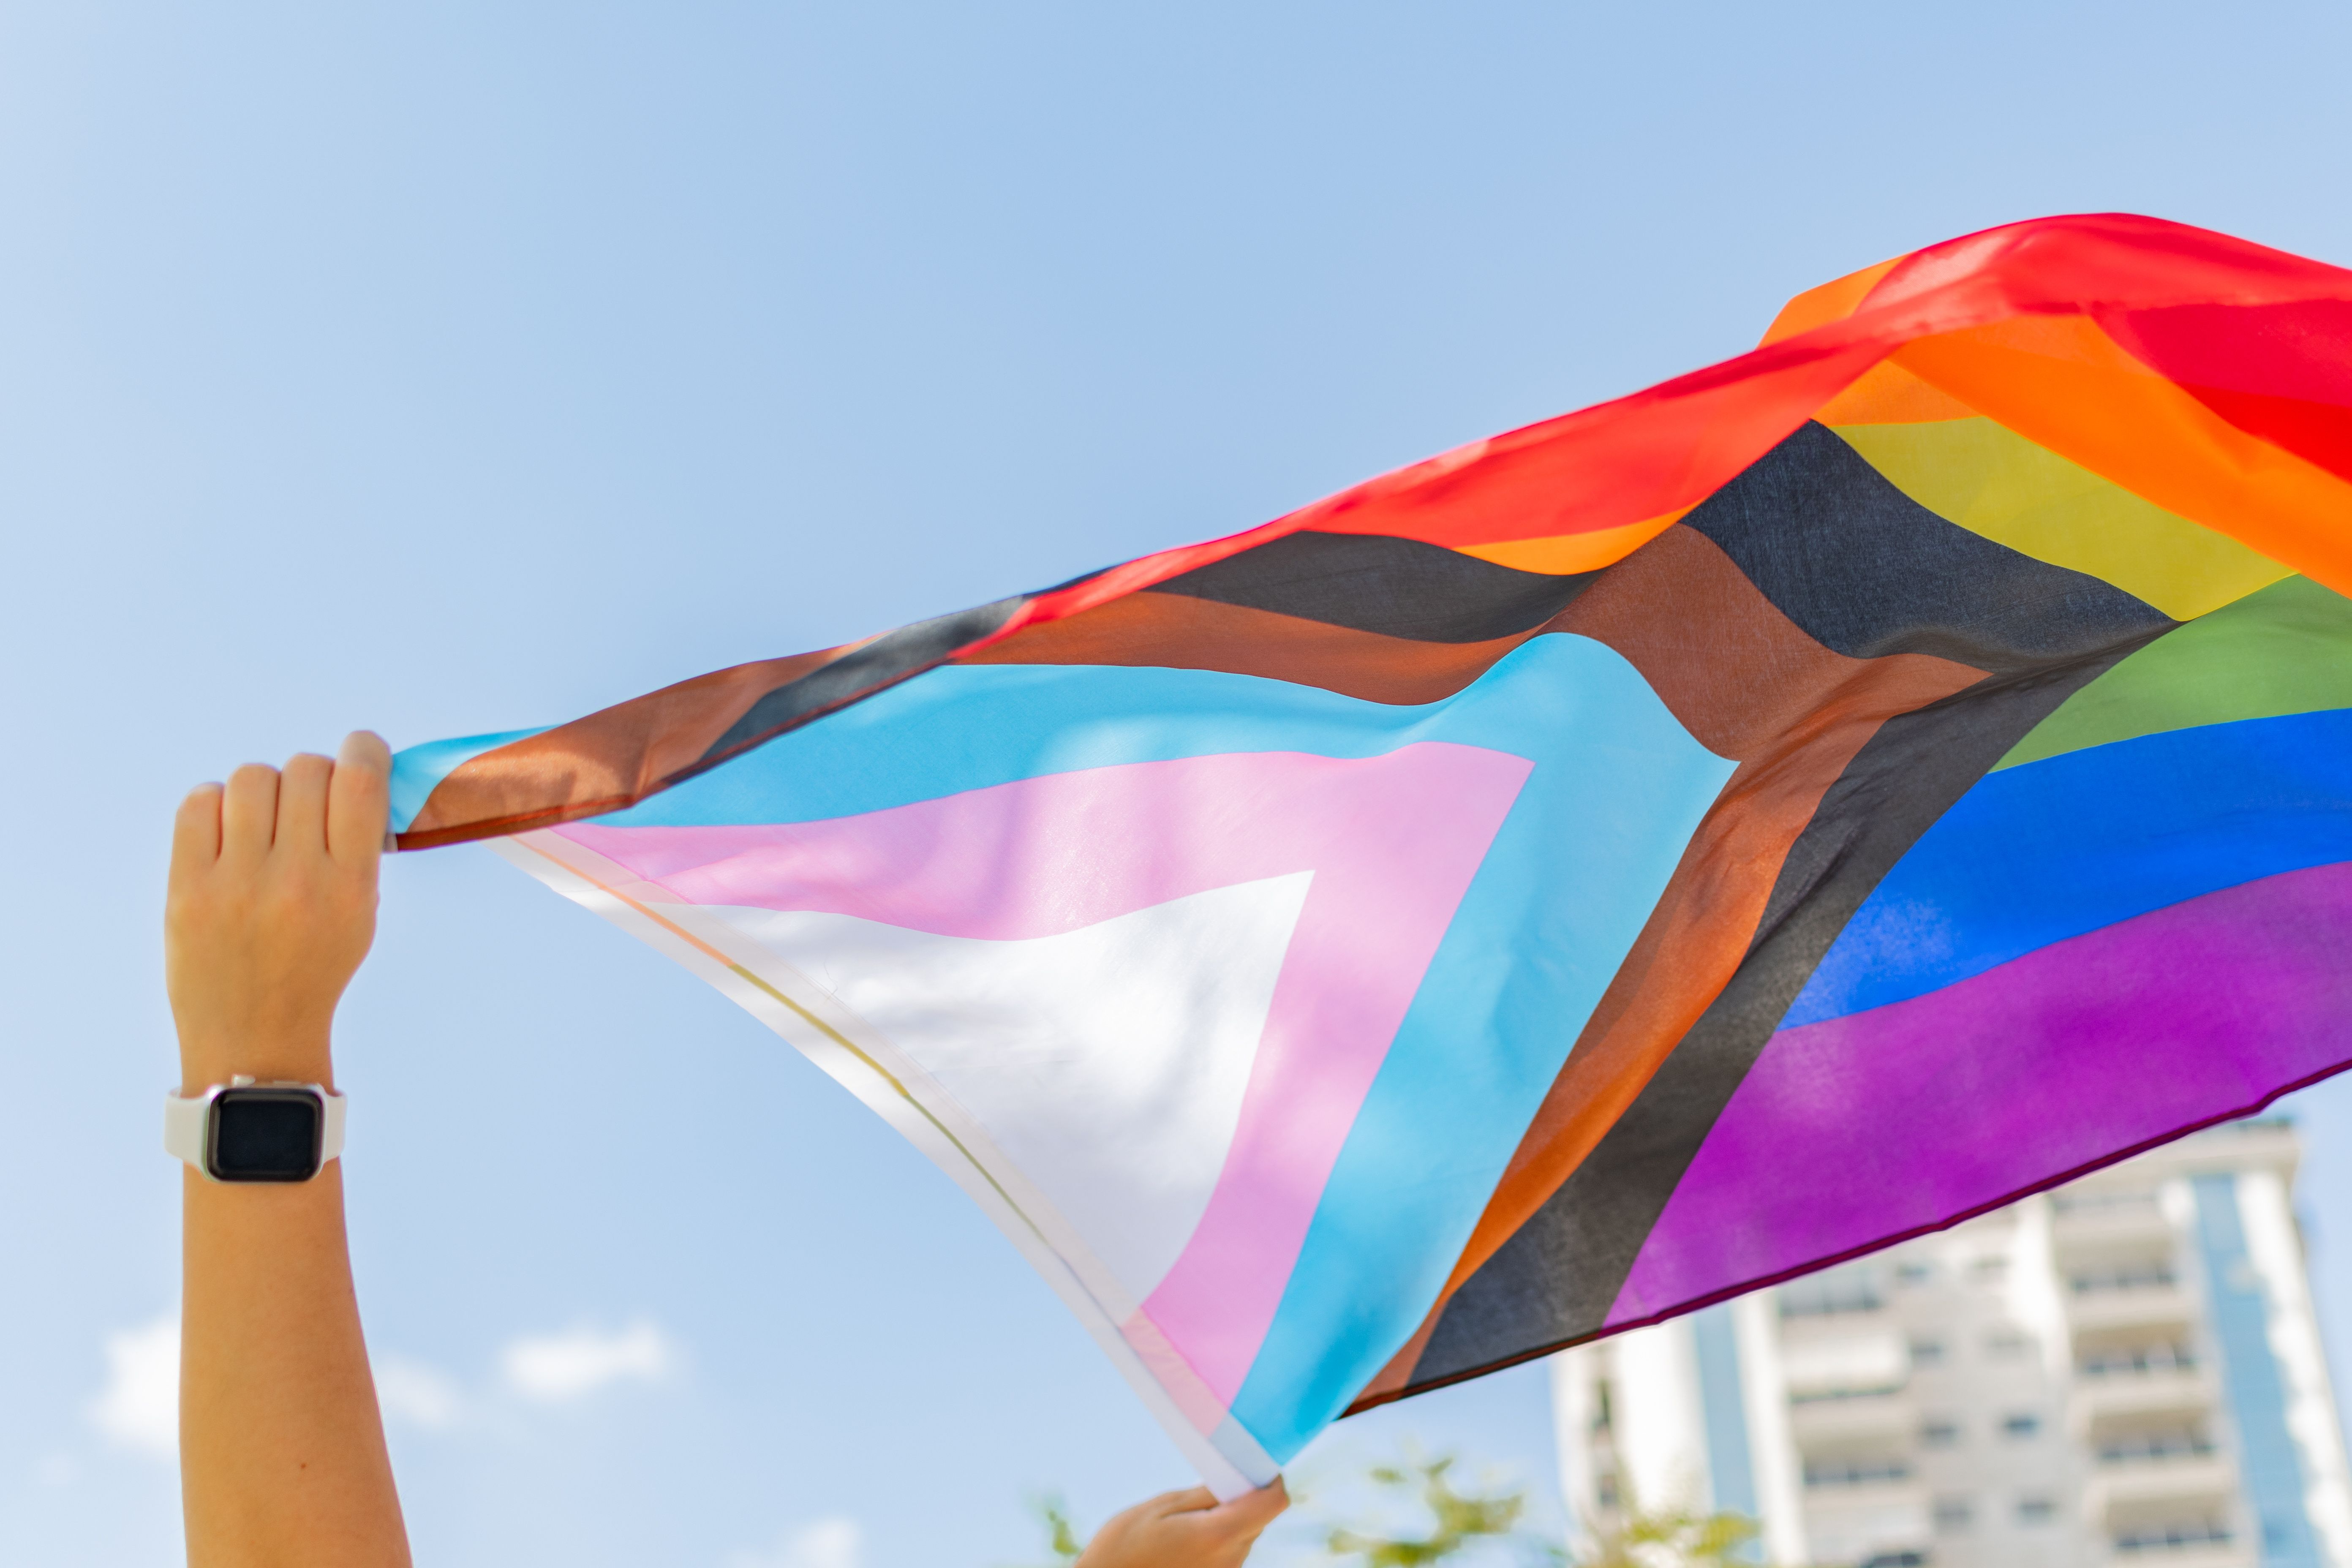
[[282, 1057]]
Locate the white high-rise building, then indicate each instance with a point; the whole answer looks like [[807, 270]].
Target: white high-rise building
[[2126, 1370]]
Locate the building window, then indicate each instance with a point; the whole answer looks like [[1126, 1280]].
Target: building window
[[1989, 1270], [1833, 1292], [2172, 1537], [1819, 1395], [2035, 1509], [1939, 1432], [1914, 1273], [2107, 1202], [2153, 1443], [1854, 1472], [1954, 1514], [1927, 1353], [2126, 1361], [2149, 1275], [2021, 1426], [2008, 1344]]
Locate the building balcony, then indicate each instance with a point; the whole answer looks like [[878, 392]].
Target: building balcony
[[2130, 1487], [1802, 1330], [1846, 1523], [1858, 1417], [2108, 1397], [2137, 1219], [2130, 1307]]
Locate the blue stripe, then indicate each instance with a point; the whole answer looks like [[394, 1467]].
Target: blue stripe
[[967, 726], [2036, 854], [1617, 789], [419, 770]]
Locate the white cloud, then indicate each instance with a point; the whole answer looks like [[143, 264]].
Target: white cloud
[[827, 1543], [140, 1406], [581, 1360], [414, 1392]]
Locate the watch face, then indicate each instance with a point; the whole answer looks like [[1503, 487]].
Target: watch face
[[266, 1135]]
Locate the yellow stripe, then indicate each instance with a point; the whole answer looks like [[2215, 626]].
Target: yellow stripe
[[1564, 554], [1992, 481]]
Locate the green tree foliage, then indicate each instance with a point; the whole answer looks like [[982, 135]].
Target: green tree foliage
[[1669, 1538], [1639, 1537], [1461, 1520], [1061, 1531]]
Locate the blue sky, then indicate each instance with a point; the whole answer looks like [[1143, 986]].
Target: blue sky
[[450, 368]]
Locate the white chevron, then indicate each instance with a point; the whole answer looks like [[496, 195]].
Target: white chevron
[[1108, 1062]]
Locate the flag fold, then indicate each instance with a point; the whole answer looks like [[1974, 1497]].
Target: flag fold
[[1587, 874]]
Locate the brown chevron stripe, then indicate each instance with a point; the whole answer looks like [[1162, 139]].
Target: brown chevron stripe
[[1731, 618], [604, 761], [1175, 631], [617, 757], [1555, 1279], [1748, 684]]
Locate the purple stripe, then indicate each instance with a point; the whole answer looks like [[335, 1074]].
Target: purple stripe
[[1857, 1130]]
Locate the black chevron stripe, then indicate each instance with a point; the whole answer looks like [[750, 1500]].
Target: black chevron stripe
[[885, 661], [1554, 1281], [1867, 570], [1372, 582]]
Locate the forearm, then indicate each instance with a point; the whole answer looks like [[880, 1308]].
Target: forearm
[[282, 1451], [271, 907]]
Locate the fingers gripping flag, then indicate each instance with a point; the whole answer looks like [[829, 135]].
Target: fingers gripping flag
[[1583, 876]]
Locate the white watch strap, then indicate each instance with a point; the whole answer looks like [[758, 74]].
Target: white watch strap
[[185, 1118], [331, 1136], [183, 1125]]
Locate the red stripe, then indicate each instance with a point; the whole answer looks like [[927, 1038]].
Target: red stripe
[[1673, 444], [2280, 372]]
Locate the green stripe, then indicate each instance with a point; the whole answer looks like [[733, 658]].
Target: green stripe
[[2285, 649]]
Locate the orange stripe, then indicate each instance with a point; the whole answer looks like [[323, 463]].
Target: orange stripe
[[1563, 554], [2061, 381], [1831, 302], [1886, 394]]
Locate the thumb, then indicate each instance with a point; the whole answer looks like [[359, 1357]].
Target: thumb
[[359, 797], [1255, 1511]]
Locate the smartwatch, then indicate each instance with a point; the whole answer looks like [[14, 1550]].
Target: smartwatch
[[246, 1131]]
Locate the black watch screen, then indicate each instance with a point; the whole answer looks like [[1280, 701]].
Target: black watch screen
[[264, 1135]]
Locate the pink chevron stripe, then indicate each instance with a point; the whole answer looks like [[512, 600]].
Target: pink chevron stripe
[[1392, 841], [1194, 1399]]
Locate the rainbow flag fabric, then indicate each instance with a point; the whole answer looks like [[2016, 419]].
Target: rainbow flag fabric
[[1587, 874]]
